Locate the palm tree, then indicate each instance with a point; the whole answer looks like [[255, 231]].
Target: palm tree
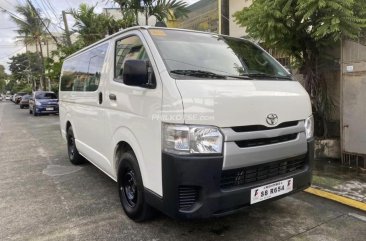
[[92, 26], [165, 9], [87, 24], [130, 9], [32, 30], [161, 9]]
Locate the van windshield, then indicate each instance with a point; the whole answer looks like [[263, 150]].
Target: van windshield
[[202, 55]]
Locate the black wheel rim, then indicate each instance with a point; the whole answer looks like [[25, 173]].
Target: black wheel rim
[[71, 147], [129, 187]]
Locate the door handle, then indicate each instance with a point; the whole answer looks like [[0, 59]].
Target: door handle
[[100, 98], [112, 97]]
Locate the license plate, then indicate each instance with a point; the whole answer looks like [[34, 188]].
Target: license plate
[[49, 108], [271, 190]]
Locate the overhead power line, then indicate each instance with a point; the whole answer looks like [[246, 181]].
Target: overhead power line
[[51, 8], [7, 56], [45, 12], [13, 15], [39, 17], [9, 28]]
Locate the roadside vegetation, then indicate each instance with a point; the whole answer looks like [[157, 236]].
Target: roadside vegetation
[[307, 31], [37, 71]]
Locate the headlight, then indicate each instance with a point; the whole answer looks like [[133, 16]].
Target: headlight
[[191, 139], [38, 103], [309, 127]]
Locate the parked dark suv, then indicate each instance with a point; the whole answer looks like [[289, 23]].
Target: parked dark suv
[[43, 102]]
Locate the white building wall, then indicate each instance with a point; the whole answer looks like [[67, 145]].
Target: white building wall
[[234, 6], [48, 45], [116, 14]]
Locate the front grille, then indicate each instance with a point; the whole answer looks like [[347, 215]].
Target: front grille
[[266, 141], [263, 128], [188, 196], [246, 175]]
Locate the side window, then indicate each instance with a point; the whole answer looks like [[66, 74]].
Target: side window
[[82, 73], [127, 49]]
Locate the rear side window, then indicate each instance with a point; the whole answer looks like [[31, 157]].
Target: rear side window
[[130, 48], [82, 72]]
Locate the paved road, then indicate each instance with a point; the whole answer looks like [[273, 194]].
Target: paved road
[[44, 197]]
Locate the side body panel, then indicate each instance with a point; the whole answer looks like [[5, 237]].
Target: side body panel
[[87, 117], [133, 118]]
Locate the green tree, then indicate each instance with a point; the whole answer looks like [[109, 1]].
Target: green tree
[[304, 29], [161, 9], [26, 68], [92, 26], [31, 28], [3, 77]]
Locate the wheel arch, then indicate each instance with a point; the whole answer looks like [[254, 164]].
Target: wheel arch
[[124, 141], [65, 124]]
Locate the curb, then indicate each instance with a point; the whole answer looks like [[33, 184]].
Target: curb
[[340, 199]]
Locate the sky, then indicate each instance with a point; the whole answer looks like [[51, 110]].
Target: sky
[[51, 9]]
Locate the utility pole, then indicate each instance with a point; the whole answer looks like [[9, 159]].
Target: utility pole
[[223, 9], [66, 28]]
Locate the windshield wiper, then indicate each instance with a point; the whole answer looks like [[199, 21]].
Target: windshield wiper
[[264, 75], [198, 73], [202, 73]]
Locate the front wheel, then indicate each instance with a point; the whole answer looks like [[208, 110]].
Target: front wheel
[[131, 189], [34, 111], [74, 155]]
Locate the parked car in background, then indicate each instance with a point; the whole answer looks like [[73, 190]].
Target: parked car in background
[[18, 96], [8, 97], [13, 97], [43, 102], [24, 102]]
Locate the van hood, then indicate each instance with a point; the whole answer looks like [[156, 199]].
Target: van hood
[[228, 103]]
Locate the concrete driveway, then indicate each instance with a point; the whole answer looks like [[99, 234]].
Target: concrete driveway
[[44, 197]]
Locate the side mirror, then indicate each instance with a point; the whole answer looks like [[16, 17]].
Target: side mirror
[[136, 73]]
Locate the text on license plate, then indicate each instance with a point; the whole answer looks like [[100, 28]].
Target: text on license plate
[[271, 190], [49, 108]]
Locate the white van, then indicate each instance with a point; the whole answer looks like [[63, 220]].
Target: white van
[[190, 123]]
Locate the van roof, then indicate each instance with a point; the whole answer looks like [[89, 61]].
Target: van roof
[[135, 28]]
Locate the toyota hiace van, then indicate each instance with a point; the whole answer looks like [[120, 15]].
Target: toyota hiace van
[[190, 123]]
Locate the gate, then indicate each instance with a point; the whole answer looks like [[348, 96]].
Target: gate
[[353, 102]]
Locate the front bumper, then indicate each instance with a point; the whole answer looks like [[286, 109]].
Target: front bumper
[[198, 178], [43, 110]]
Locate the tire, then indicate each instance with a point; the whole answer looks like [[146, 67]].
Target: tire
[[34, 111], [21, 107], [131, 189], [74, 155]]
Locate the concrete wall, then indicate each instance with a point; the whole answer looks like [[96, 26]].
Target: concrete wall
[[354, 97], [49, 45]]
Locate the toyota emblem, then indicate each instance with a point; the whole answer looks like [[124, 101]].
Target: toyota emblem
[[272, 119]]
